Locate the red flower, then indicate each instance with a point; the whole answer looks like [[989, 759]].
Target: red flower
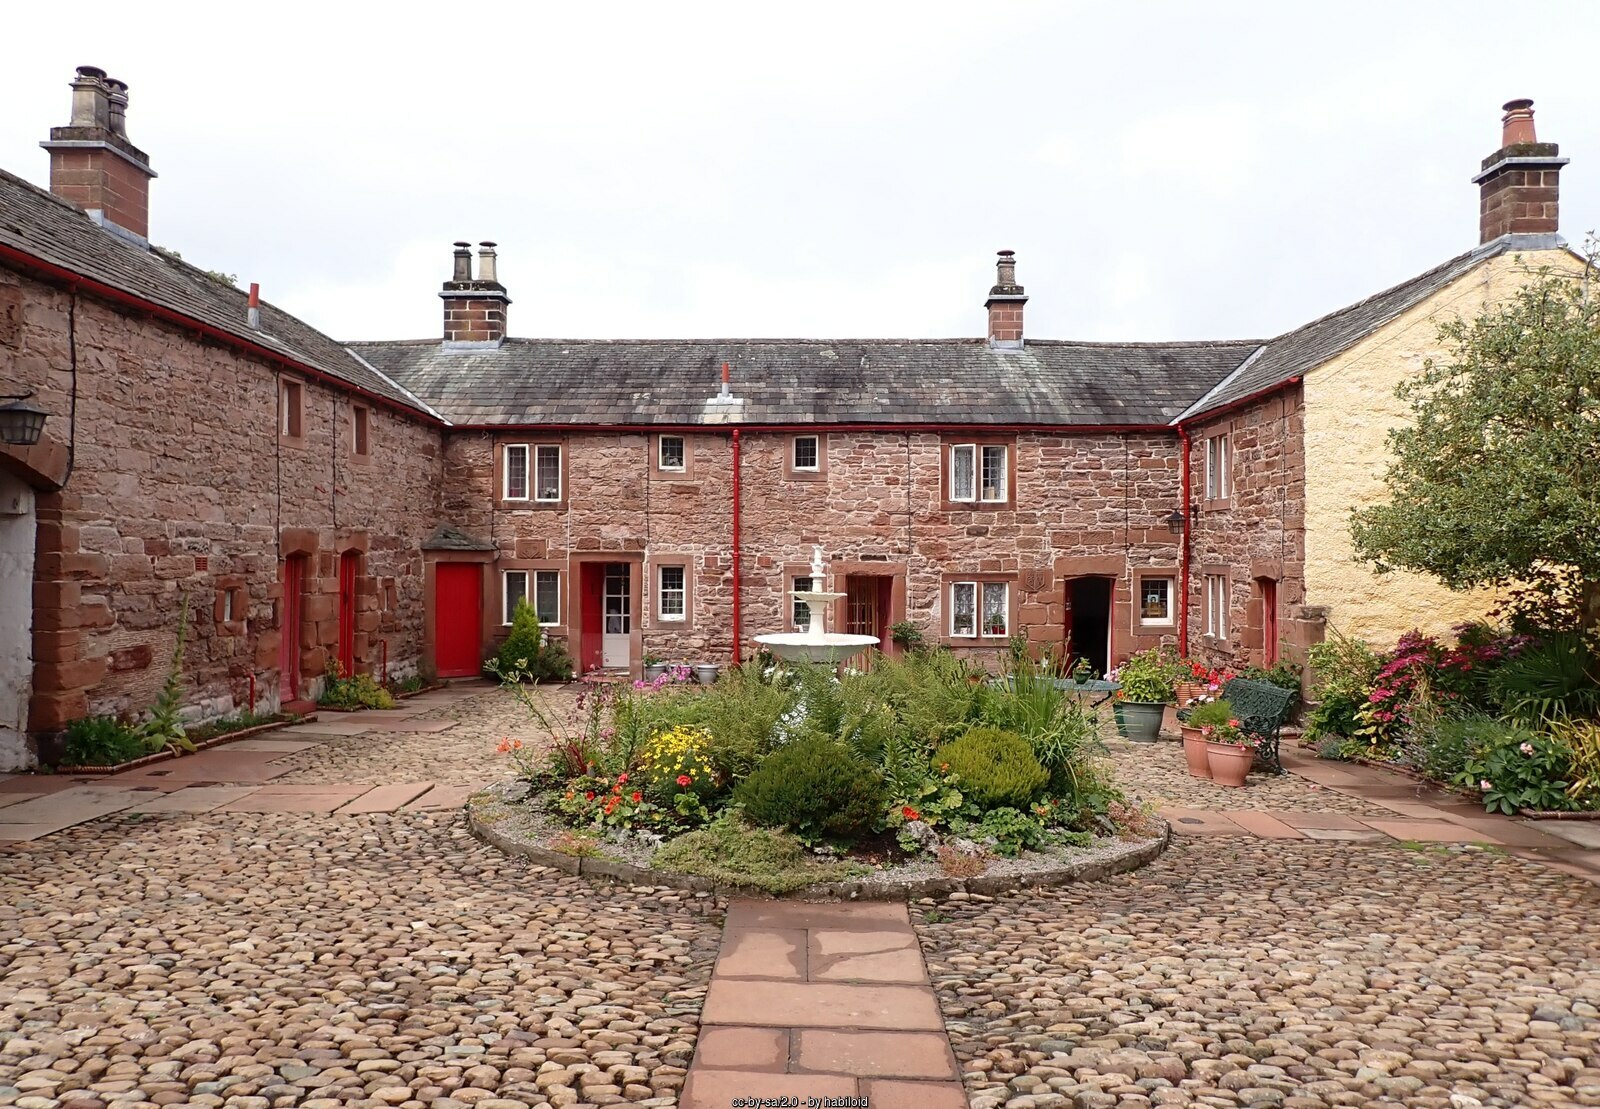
[[588, 795], [1233, 723], [505, 746], [685, 780], [910, 814], [637, 797], [622, 777]]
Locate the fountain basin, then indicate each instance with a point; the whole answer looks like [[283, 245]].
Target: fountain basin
[[816, 647]]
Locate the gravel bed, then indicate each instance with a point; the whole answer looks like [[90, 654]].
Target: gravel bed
[[463, 754], [1157, 772], [282, 960], [1242, 972], [503, 816]]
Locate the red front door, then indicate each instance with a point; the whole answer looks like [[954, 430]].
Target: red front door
[[458, 619], [591, 621], [289, 610], [349, 564]]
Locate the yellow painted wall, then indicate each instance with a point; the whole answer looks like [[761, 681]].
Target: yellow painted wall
[[1350, 408]]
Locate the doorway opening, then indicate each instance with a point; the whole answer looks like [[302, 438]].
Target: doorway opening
[[866, 605], [349, 574], [1088, 623], [606, 616], [1267, 589]]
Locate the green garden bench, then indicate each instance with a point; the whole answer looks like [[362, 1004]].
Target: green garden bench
[[1261, 709]]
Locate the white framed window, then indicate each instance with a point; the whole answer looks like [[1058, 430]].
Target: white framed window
[[799, 611], [670, 453], [978, 472], [547, 472], [516, 479], [1155, 600], [1217, 605], [546, 597], [996, 610], [807, 455], [671, 592], [227, 607], [514, 589], [1218, 464], [964, 609]]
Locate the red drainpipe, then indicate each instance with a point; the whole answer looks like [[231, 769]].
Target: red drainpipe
[[1183, 548], [738, 631]]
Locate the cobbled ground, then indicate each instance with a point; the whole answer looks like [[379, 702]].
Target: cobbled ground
[[1242, 972], [257, 961]]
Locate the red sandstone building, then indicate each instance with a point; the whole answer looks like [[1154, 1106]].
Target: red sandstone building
[[384, 504]]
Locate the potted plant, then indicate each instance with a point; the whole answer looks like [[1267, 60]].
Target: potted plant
[[1142, 700], [1230, 750], [654, 667], [706, 673], [1204, 712]]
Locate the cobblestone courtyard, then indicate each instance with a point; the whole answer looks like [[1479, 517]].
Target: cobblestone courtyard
[[339, 957]]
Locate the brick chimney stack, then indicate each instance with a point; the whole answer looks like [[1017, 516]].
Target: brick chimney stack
[[1005, 304], [1519, 187], [92, 163], [475, 309]]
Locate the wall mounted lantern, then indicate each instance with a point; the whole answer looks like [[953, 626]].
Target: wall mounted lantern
[[21, 423]]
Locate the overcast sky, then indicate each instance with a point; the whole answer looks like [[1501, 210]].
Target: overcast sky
[[1163, 170]]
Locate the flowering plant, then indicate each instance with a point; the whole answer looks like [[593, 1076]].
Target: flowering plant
[[1232, 733], [609, 803], [675, 674], [678, 771]]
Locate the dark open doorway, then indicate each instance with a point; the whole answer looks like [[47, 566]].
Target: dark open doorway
[[1088, 622]]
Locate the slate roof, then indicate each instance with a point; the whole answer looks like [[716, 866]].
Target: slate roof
[[53, 231], [1295, 352], [808, 381]]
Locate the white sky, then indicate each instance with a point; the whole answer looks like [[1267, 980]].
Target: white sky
[[1163, 170]]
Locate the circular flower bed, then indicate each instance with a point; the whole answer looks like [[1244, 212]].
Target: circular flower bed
[[906, 778]]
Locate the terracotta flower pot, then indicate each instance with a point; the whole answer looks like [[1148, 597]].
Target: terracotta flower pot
[[1188, 691], [1229, 763], [1141, 720], [1194, 751]]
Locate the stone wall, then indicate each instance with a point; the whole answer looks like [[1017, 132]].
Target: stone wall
[[1082, 505], [1254, 536], [182, 487]]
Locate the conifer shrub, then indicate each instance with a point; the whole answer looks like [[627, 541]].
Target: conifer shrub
[[816, 788], [525, 656], [995, 768]]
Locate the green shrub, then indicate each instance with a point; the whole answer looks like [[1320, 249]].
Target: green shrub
[[1210, 714], [1514, 768], [1013, 832], [732, 852], [526, 656], [996, 769], [101, 741], [353, 691], [1451, 744], [1344, 669], [816, 787], [741, 712], [1557, 677], [907, 636]]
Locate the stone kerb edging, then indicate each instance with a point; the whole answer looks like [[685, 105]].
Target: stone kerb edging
[[1105, 864]]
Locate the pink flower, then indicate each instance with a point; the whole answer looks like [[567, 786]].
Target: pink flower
[[1486, 785], [622, 777], [1526, 748]]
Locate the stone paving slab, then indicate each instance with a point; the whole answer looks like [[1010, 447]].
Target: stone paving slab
[[1200, 822], [1346, 835], [809, 915], [743, 1048], [821, 1005], [885, 1054], [1264, 825], [890, 1094], [1514, 833], [446, 797], [295, 799], [424, 726], [340, 728], [17, 797], [1308, 820], [22, 833], [1584, 833], [73, 806], [386, 799], [717, 1089], [279, 745], [36, 785], [195, 799], [763, 953], [1431, 831]]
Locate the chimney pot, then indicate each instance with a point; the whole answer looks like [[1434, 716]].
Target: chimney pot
[[117, 107], [1517, 126], [89, 107], [253, 311], [486, 263], [463, 267]]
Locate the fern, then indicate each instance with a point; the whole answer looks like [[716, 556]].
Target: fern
[[164, 729]]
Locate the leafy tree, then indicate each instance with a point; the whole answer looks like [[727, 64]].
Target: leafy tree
[[1496, 479]]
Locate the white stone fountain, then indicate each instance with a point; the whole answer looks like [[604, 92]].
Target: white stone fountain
[[814, 644]]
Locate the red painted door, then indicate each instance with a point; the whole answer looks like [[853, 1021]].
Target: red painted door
[[290, 607], [349, 564], [1269, 621], [591, 619], [458, 619]]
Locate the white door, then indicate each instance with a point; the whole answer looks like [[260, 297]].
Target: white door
[[614, 652]]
